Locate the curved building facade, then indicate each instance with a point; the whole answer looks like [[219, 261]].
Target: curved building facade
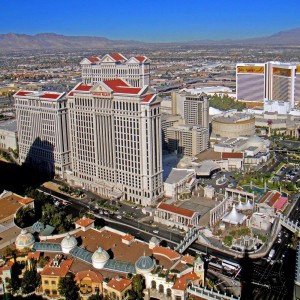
[[233, 125]]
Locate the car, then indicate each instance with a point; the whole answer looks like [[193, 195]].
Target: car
[[155, 231], [119, 217]]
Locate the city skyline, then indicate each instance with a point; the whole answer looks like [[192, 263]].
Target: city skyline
[[151, 22]]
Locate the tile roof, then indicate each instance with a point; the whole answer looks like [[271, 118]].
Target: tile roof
[[119, 284], [148, 98], [51, 96], [24, 200], [84, 88], [128, 237], [60, 271], [120, 86], [95, 276], [93, 59], [270, 198], [23, 93], [6, 267], [117, 56], [166, 252], [84, 222], [187, 259], [280, 203], [40, 94], [140, 58], [176, 210], [182, 282], [34, 255], [226, 155]]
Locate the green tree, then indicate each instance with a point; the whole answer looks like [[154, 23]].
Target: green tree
[[225, 103], [42, 262], [68, 288], [290, 186], [31, 280], [14, 282], [228, 240], [294, 240], [96, 297], [138, 285], [25, 217]]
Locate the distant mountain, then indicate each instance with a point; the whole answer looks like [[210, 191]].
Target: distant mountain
[[12, 41], [282, 38]]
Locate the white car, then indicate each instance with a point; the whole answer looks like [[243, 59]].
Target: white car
[[119, 217], [155, 231]]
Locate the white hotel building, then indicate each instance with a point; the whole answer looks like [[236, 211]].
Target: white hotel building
[[42, 125], [115, 137], [135, 70]]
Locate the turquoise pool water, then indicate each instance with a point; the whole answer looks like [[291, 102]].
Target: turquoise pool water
[[257, 190]]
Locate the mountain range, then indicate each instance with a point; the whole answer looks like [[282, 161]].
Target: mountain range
[[14, 41]]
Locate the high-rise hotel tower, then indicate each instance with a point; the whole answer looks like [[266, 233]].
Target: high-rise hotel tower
[[272, 81], [135, 70], [42, 125], [115, 137]]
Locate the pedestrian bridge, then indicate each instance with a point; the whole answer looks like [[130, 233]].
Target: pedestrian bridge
[[188, 239], [288, 224], [208, 294]]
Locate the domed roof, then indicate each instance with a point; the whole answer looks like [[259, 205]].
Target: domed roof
[[144, 263], [100, 256], [24, 239], [69, 242]]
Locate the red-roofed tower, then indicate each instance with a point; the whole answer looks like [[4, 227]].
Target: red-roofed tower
[[135, 70]]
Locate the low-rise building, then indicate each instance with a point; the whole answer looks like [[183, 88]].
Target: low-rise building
[[233, 124], [8, 135], [5, 273], [272, 202], [56, 268], [179, 181], [117, 288], [89, 282], [179, 217]]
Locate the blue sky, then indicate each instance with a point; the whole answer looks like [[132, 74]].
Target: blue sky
[[153, 20]]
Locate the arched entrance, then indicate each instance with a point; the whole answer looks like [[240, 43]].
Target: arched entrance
[[161, 288], [153, 284]]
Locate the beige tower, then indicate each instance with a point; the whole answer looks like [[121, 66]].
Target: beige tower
[[199, 269]]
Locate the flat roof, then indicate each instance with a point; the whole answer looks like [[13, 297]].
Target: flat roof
[[177, 175], [9, 125]]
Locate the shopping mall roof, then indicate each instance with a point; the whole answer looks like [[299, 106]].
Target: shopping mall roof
[[121, 266], [82, 254], [47, 247]]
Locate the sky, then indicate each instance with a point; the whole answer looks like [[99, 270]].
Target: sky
[[151, 21]]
